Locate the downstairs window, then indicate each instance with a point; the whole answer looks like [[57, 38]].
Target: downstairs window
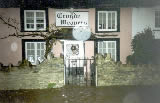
[[34, 52]]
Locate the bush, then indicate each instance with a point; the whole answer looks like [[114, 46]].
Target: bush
[[25, 63], [143, 48], [51, 85], [130, 59]]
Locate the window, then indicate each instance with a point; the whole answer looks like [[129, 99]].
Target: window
[[157, 19], [108, 47], [34, 20], [34, 52], [107, 20]]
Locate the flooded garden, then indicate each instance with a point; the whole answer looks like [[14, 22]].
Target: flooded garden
[[76, 94]]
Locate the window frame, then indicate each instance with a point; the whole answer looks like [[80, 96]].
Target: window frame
[[117, 40], [35, 51], [157, 10], [107, 12], [107, 48], [24, 50], [35, 23]]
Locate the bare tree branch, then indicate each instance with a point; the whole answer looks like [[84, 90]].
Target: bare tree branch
[[8, 22], [53, 33]]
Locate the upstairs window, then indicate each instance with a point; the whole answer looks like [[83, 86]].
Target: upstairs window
[[107, 20], [157, 19], [34, 20]]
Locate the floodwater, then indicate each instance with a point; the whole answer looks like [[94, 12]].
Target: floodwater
[[76, 94]]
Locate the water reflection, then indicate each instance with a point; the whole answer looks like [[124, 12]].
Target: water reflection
[[75, 94]]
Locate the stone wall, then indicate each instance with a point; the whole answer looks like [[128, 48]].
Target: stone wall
[[110, 73], [47, 74], [50, 74]]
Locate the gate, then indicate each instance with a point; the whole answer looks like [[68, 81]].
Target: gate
[[80, 72]]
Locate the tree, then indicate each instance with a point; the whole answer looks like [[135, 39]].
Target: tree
[[143, 48]]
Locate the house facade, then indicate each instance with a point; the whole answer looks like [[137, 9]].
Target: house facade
[[113, 27], [145, 17]]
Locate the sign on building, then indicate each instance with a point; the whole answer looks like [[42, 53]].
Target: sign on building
[[64, 18], [74, 53]]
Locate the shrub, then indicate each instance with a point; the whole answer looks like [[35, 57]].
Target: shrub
[[130, 59], [25, 63], [51, 85], [143, 48]]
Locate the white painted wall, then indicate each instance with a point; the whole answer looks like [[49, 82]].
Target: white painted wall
[[143, 18]]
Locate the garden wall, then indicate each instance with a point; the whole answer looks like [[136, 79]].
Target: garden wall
[[50, 74], [46, 75], [110, 73]]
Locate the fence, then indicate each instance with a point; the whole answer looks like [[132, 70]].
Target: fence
[[80, 72]]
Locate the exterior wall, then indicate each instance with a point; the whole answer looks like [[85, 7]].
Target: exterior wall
[[11, 48], [124, 34], [89, 45], [7, 54], [89, 49], [57, 49], [13, 56], [143, 18]]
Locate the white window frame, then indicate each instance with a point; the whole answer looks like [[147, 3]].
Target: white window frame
[[108, 48], [107, 21], [35, 51], [35, 28], [158, 10]]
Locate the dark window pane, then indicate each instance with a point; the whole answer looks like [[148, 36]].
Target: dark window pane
[[100, 20]]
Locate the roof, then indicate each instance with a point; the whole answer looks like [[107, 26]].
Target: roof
[[9, 3], [139, 3], [77, 3]]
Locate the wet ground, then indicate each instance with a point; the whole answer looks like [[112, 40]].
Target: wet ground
[[75, 94]]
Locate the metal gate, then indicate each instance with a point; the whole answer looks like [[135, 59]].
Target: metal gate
[[80, 72]]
